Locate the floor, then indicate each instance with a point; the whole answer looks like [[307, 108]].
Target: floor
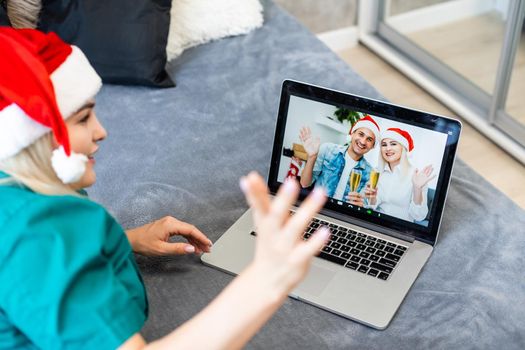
[[319, 16], [496, 166], [473, 46]]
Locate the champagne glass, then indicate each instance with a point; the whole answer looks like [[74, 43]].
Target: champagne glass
[[374, 178], [355, 180]]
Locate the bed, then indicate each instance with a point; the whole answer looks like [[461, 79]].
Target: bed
[[181, 151]]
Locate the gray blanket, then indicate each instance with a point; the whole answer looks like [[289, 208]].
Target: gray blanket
[[181, 152]]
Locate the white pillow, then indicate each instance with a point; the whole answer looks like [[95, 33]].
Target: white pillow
[[195, 22]]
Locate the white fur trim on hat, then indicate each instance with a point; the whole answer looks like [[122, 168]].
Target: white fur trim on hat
[[68, 169], [390, 134], [75, 82], [17, 131], [370, 126]]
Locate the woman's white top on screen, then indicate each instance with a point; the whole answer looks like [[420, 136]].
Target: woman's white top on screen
[[395, 197]]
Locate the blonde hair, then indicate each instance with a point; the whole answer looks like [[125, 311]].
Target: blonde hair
[[32, 168], [404, 164], [24, 13]]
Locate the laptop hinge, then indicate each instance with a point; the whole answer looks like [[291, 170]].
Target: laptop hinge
[[367, 225]]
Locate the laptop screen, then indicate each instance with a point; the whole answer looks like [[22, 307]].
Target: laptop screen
[[381, 163]]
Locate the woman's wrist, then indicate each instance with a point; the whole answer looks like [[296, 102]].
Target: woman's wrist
[[271, 290], [132, 238], [417, 195], [417, 189]]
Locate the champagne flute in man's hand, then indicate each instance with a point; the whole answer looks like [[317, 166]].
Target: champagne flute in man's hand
[[355, 180]]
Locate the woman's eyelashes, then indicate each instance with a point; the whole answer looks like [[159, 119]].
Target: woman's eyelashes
[[84, 118]]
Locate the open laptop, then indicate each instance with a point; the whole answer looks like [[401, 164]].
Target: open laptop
[[376, 252]]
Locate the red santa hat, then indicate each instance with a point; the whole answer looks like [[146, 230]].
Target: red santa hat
[[401, 136], [43, 81], [370, 124]]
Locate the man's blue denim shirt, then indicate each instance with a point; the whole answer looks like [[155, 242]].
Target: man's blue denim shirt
[[329, 166]]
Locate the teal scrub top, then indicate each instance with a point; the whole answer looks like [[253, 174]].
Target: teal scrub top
[[68, 277]]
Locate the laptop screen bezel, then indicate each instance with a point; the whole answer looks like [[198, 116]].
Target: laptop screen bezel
[[382, 109]]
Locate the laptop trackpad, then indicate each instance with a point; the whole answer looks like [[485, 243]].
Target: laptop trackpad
[[316, 281]]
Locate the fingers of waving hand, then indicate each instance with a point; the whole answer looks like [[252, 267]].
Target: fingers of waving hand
[[423, 177], [428, 170], [286, 197], [267, 213], [256, 193], [296, 225], [310, 143], [275, 213], [304, 133], [297, 252], [314, 244], [428, 174]]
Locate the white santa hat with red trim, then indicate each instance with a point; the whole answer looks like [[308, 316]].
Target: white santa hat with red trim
[[369, 123], [401, 136], [43, 81]]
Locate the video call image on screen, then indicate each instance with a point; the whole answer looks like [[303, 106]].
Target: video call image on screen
[[385, 168]]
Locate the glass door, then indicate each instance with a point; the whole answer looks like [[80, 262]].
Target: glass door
[[466, 40], [509, 105], [474, 50]]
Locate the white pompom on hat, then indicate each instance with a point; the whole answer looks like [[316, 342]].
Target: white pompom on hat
[[43, 81], [369, 123], [401, 136]]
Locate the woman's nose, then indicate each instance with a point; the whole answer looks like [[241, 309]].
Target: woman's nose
[[100, 133]]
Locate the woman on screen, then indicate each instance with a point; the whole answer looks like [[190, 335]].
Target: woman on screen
[[401, 189]]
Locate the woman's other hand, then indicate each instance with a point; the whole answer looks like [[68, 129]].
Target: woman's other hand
[[153, 239], [281, 255], [423, 177]]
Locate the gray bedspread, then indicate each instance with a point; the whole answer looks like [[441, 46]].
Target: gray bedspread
[[181, 152]]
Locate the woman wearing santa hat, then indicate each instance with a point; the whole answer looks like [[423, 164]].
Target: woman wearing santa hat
[[68, 275], [401, 190]]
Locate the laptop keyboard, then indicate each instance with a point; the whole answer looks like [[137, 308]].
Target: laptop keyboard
[[358, 251]]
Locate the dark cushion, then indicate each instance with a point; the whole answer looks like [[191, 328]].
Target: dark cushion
[[4, 20], [124, 40]]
